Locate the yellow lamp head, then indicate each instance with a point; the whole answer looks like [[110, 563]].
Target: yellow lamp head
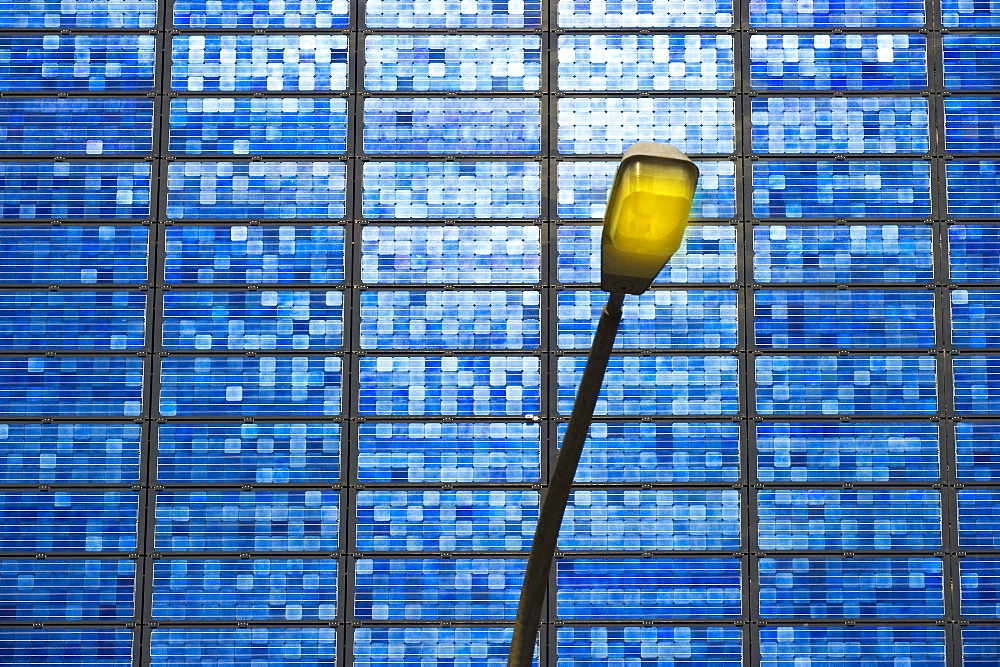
[[647, 214]]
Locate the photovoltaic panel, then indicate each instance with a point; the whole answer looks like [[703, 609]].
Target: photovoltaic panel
[[978, 455], [698, 644], [261, 14], [452, 14], [93, 63], [975, 317], [974, 253], [979, 646], [972, 188], [67, 521], [875, 645], [74, 189], [69, 453], [67, 590], [977, 512], [399, 646], [654, 14], [110, 14], [71, 386], [73, 254], [73, 320], [970, 124], [68, 647], [979, 579], [191, 647], [971, 62], [976, 386], [959, 14], [836, 14], [76, 126]]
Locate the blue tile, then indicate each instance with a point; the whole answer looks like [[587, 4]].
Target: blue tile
[[978, 451], [77, 63], [71, 386], [970, 124], [73, 254], [971, 62], [64, 521], [972, 188], [261, 14], [596, 646], [266, 646], [870, 646], [73, 320], [77, 647], [646, 14], [69, 453], [67, 590], [977, 384], [452, 14], [77, 126], [980, 587], [74, 190]]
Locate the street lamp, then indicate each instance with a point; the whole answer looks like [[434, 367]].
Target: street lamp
[[647, 212]]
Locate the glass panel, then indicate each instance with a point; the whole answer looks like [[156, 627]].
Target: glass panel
[[977, 384], [280, 14], [975, 318], [651, 14], [89, 521], [73, 320], [79, 647], [74, 189], [980, 646], [290, 647], [77, 63], [972, 187], [974, 253], [397, 647], [980, 581], [918, 647], [69, 454], [978, 447], [71, 386], [452, 14], [971, 62], [720, 647], [965, 14], [977, 519], [73, 254], [836, 13], [92, 126], [112, 14], [67, 590], [971, 124]]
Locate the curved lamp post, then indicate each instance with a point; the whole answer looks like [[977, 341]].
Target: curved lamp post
[[646, 216]]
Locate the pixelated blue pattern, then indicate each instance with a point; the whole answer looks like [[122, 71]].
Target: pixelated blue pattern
[[593, 125], [847, 189], [75, 126], [68, 521], [835, 13], [248, 386], [859, 452], [972, 124], [975, 318], [978, 454], [259, 62], [583, 189], [419, 589], [645, 62], [248, 453], [452, 14], [843, 254], [194, 647], [660, 318], [241, 126], [845, 385], [625, 645], [79, 647], [838, 62], [980, 646], [73, 254], [794, 519], [631, 520], [839, 125], [73, 320], [851, 588], [71, 386], [285, 190], [452, 62], [397, 520], [707, 255], [980, 582], [502, 125], [657, 385], [977, 384], [67, 590], [279, 14], [477, 452], [668, 588], [448, 320], [973, 253], [665, 452], [449, 385], [974, 14], [973, 187], [977, 518], [494, 254], [253, 255], [113, 14], [649, 14], [69, 454], [74, 189], [256, 320], [451, 190], [843, 319], [232, 520], [245, 590], [383, 647], [872, 646], [78, 63], [971, 62]]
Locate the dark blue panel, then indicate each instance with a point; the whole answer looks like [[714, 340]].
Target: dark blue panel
[[978, 512], [977, 384], [973, 187], [975, 318], [971, 62], [452, 14], [71, 386], [79, 14], [980, 581], [872, 646], [970, 14], [73, 320], [626, 645], [972, 124], [974, 253], [978, 446], [836, 13], [980, 646], [289, 647], [69, 453], [649, 14], [258, 14], [74, 189], [428, 645], [75, 126], [68, 521], [72, 254], [67, 590], [83, 647], [79, 63]]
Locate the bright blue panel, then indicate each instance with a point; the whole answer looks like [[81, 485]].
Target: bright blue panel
[[971, 62], [707, 255], [813, 588], [254, 255], [69, 453], [245, 590], [796, 519], [248, 453], [389, 520], [859, 452], [664, 452], [68, 521], [67, 590], [668, 588], [500, 125], [843, 319], [233, 520], [71, 386], [285, 190], [82, 647], [645, 62], [449, 385], [839, 125], [645, 14], [399, 647], [73, 254], [258, 14], [73, 320], [112, 14], [980, 646], [434, 452], [980, 581], [970, 14], [625, 645], [972, 124], [80, 125], [843, 254], [661, 520], [74, 190], [259, 62], [977, 384], [451, 190], [657, 385], [978, 445], [288, 647], [256, 320], [451, 255], [973, 187], [464, 63], [836, 13], [452, 14], [978, 512], [975, 318], [458, 320], [660, 318], [592, 125], [249, 386], [845, 385], [241, 126], [974, 253], [838, 62], [79, 63], [871, 646], [419, 589]]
